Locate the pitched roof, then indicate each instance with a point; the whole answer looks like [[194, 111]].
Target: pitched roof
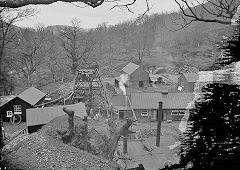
[[130, 68], [170, 100], [6, 99], [159, 70], [145, 100], [149, 100], [118, 100], [191, 77], [177, 100], [55, 90], [171, 77], [31, 95]]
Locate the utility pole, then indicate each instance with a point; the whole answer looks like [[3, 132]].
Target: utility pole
[[159, 117], [124, 144]]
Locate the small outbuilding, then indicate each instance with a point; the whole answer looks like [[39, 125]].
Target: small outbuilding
[[187, 82], [29, 98], [138, 77]]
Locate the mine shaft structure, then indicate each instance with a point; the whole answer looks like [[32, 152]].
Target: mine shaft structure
[[88, 87]]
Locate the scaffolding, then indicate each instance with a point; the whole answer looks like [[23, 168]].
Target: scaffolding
[[88, 88]]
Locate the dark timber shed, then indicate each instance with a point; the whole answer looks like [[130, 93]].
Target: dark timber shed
[[18, 104]]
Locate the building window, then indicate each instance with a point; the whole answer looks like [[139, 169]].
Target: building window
[[121, 114], [144, 113], [140, 83], [177, 112], [9, 113], [17, 109], [181, 113], [196, 85], [174, 113]]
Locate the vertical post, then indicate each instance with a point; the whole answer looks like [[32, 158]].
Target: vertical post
[[1, 133], [150, 115], [159, 124], [124, 144]]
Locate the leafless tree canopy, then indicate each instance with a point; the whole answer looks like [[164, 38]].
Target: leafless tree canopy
[[218, 11]]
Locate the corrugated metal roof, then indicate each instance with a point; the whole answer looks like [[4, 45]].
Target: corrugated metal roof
[[177, 100], [170, 100], [119, 100], [31, 95], [130, 68], [37, 116], [191, 77], [145, 100]]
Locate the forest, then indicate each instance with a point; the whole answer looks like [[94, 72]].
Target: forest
[[42, 55]]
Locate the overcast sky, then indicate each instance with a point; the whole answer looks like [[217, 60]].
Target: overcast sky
[[62, 13]]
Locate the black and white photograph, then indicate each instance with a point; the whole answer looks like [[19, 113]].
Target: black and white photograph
[[119, 84]]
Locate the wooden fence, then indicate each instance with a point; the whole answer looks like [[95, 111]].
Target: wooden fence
[[40, 116]]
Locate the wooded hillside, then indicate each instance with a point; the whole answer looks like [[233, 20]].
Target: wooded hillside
[[149, 40]]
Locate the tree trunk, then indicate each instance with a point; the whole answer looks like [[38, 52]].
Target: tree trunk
[[115, 135], [29, 81], [67, 138], [54, 78]]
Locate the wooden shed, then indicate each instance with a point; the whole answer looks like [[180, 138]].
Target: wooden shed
[[138, 76], [187, 82], [18, 104]]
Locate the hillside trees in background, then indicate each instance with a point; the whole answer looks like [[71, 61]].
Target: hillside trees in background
[[78, 45], [8, 32], [55, 60], [142, 38], [31, 49], [218, 11]]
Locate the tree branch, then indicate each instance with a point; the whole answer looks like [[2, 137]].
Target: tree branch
[[21, 3], [222, 13]]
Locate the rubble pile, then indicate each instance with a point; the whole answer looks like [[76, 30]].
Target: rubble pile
[[45, 150]]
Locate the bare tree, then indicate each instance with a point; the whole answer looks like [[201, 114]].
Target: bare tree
[[55, 58], [218, 11], [77, 44], [8, 32], [31, 49], [142, 37]]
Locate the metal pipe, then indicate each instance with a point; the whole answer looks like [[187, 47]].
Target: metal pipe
[[134, 115]]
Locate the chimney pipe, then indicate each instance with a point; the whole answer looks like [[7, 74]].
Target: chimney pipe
[[159, 117]]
